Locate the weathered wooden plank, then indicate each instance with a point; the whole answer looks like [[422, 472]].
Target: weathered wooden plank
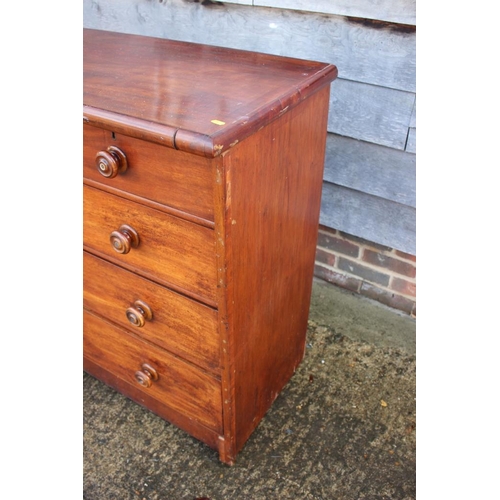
[[374, 114], [413, 120], [240, 2], [379, 55], [411, 144], [396, 11], [369, 217], [372, 169]]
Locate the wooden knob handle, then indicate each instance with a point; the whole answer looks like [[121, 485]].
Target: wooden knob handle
[[139, 313], [124, 239], [111, 162], [146, 375]]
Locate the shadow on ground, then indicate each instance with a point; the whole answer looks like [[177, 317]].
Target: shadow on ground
[[343, 428]]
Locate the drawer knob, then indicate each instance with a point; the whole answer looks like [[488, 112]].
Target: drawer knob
[[139, 313], [111, 162], [146, 375], [124, 239]]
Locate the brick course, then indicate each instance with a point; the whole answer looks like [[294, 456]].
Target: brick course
[[347, 282], [325, 257], [404, 287], [390, 263], [375, 271], [363, 272], [387, 298], [343, 246], [406, 256]]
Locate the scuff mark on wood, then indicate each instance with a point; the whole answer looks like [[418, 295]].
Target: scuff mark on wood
[[283, 111], [218, 148], [218, 177]]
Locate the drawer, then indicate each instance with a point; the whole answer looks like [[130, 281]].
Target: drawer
[[178, 385], [171, 250], [158, 173], [183, 326]]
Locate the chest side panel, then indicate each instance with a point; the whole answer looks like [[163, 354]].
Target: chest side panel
[[273, 194]]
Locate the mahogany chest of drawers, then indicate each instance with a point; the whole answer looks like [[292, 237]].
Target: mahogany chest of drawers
[[202, 184]]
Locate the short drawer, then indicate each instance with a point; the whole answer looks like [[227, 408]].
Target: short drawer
[[182, 326], [158, 173], [170, 250], [174, 383]]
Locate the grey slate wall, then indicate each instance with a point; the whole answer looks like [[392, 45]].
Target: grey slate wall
[[369, 181]]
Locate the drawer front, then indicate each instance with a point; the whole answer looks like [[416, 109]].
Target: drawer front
[[170, 250], [184, 327], [158, 173], [179, 385]]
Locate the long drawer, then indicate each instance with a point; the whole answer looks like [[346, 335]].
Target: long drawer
[[166, 176], [173, 382], [183, 326], [168, 249]]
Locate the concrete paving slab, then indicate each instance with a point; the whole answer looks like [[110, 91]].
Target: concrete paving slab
[[361, 318]]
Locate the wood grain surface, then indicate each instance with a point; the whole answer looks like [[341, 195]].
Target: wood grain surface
[[371, 169], [272, 201], [397, 11], [183, 326], [370, 217], [377, 53], [220, 289], [180, 386], [371, 100], [171, 251], [208, 95], [157, 173]]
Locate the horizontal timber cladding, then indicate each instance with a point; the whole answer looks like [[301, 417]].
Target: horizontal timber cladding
[[370, 217], [411, 143], [370, 168], [370, 113], [396, 11], [413, 119], [371, 54]]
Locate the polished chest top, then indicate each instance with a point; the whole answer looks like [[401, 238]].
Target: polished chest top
[[202, 185], [192, 97]]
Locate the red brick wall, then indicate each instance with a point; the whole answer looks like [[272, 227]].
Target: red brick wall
[[378, 272]]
